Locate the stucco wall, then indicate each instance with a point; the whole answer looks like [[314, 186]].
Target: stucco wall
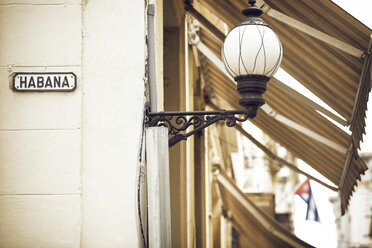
[[68, 161], [113, 72]]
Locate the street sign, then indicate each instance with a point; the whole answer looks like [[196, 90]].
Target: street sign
[[44, 81]]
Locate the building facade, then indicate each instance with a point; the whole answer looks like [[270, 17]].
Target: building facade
[[82, 168], [68, 176], [354, 229]]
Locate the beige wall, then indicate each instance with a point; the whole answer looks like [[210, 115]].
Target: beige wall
[[68, 161], [113, 72]]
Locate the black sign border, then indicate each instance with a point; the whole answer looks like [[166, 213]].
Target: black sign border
[[43, 91]]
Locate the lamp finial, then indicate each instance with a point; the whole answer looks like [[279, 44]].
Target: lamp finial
[[252, 11]]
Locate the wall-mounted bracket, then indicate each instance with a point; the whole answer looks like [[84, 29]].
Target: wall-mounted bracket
[[177, 126]]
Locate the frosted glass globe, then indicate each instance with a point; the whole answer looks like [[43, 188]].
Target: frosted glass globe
[[252, 48]]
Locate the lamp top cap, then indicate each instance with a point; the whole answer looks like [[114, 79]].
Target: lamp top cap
[[252, 11], [252, 2]]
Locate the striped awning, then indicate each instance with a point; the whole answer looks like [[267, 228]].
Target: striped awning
[[326, 50], [256, 226]]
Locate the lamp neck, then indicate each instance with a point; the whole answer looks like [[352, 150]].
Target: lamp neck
[[252, 11], [252, 2]]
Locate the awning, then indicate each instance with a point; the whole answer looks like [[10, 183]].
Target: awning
[[259, 229], [326, 50]]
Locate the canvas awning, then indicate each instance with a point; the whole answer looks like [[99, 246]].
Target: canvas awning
[[258, 228], [326, 50]]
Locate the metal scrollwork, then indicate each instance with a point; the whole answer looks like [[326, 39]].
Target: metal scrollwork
[[178, 122]]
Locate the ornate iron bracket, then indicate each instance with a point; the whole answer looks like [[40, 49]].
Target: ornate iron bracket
[[197, 119]]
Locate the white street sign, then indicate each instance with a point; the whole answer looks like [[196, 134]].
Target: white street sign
[[44, 81]]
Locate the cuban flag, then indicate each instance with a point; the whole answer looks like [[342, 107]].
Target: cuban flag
[[305, 193]]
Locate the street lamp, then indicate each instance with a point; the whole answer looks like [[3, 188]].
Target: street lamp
[[251, 53]]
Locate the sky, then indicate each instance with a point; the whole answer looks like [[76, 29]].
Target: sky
[[324, 234]]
